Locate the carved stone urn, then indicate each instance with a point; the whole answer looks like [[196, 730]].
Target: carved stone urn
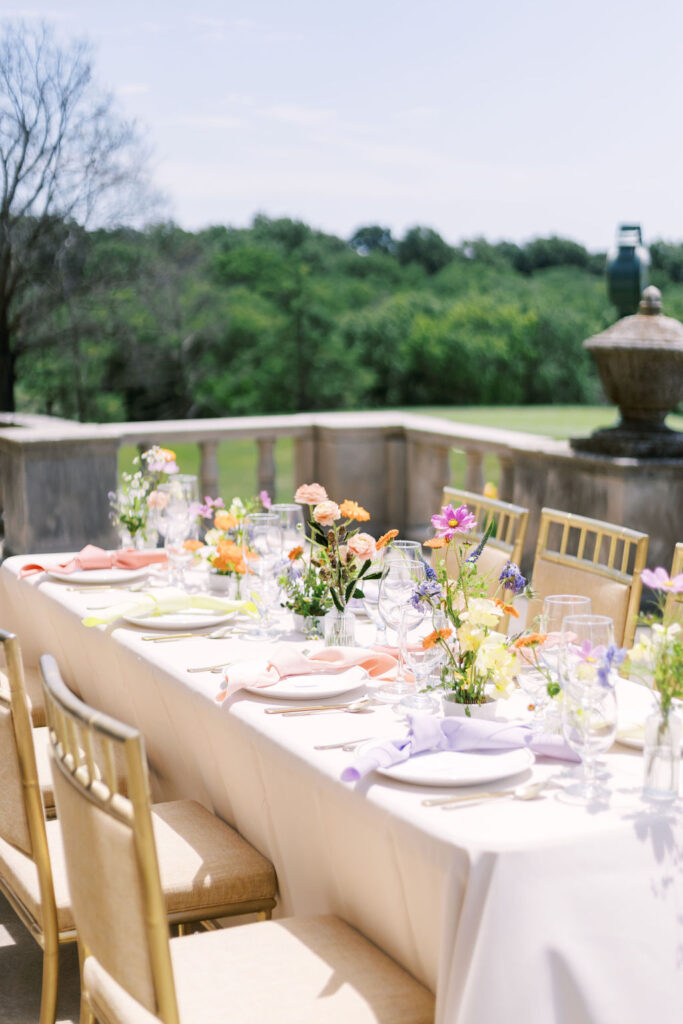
[[640, 362]]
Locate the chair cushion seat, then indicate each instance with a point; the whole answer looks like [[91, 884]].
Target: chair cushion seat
[[296, 971], [34, 693], [203, 863]]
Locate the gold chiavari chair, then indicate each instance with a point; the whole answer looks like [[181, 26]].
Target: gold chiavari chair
[[507, 542], [29, 844], [577, 555], [674, 602], [293, 971], [207, 870]]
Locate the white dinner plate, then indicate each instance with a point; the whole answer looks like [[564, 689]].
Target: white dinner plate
[[99, 576], [315, 686], [634, 739], [188, 618], [452, 768]]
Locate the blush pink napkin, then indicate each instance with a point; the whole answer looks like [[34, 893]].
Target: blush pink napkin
[[286, 660], [92, 557]]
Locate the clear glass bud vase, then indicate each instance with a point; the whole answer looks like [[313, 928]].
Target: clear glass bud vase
[[662, 756], [340, 628]]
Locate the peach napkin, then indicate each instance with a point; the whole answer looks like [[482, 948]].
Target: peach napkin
[[286, 660], [92, 557]]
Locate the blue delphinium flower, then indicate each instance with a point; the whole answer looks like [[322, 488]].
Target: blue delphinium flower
[[612, 658], [429, 572], [430, 592], [512, 578]]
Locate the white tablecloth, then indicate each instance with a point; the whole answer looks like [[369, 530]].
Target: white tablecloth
[[508, 910]]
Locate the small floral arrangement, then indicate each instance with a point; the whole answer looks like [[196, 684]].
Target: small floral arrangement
[[659, 655], [477, 655], [306, 592], [342, 557], [222, 545], [137, 496]]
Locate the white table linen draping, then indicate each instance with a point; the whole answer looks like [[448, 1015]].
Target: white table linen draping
[[508, 910]]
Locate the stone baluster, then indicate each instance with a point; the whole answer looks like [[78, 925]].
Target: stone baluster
[[266, 465], [304, 460], [506, 487], [474, 475], [208, 468]]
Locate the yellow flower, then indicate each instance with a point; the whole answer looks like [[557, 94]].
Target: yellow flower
[[481, 612]]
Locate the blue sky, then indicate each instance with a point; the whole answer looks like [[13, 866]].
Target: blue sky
[[505, 119]]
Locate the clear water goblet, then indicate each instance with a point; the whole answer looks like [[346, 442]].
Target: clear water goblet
[[261, 540], [291, 519], [424, 662], [399, 582]]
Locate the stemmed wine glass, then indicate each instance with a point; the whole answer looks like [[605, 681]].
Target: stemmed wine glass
[[174, 522], [424, 662], [400, 579], [400, 551], [532, 681], [589, 707], [261, 540], [291, 518]]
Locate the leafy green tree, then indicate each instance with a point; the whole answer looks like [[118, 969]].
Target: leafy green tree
[[426, 247]]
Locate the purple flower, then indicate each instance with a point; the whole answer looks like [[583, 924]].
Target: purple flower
[[206, 508], [265, 499], [429, 572], [659, 579], [430, 591], [511, 578], [613, 657], [453, 520]]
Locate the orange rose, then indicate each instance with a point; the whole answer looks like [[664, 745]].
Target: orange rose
[[385, 539], [532, 640], [224, 521], [192, 545], [433, 638], [507, 609], [352, 510]]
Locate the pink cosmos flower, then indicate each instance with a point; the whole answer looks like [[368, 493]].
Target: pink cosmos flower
[[453, 520], [265, 499], [310, 494], [659, 579]]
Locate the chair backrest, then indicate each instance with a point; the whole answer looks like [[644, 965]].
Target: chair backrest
[[675, 601], [577, 555], [22, 821], [507, 542], [109, 849]]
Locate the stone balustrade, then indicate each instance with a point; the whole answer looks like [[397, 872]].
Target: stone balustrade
[[55, 475]]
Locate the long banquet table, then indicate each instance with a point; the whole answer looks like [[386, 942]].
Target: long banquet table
[[508, 910]]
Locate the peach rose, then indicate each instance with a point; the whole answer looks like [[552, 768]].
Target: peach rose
[[157, 500], [310, 494], [362, 546], [326, 513]]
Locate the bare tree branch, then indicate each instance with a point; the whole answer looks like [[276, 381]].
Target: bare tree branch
[[65, 155]]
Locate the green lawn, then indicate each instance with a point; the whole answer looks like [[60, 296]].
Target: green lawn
[[237, 460]]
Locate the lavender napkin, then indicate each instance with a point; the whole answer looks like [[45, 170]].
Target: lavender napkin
[[428, 733]]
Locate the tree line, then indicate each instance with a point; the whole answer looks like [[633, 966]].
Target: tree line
[[279, 317], [111, 322]]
